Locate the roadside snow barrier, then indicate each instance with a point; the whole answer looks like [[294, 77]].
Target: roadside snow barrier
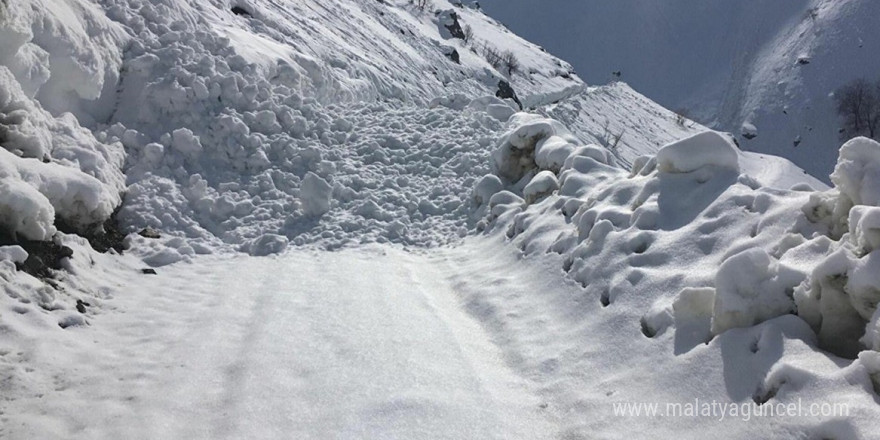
[[736, 254]]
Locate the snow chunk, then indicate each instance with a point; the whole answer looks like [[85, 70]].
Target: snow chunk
[[697, 151], [315, 195], [184, 141], [24, 211], [542, 185], [16, 254], [267, 244], [864, 226], [748, 291], [80, 199], [488, 186], [857, 174], [516, 153]]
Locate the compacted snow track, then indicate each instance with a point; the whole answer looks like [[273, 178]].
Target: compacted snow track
[[366, 343]]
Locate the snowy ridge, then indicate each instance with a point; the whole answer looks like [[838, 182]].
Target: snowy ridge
[[731, 65], [698, 247]]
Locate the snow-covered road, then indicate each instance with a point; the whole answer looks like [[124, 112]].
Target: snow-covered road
[[366, 343]]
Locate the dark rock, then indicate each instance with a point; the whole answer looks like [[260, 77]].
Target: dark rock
[[81, 306], [453, 55], [750, 136], [43, 256], [505, 91], [102, 236], [148, 271], [454, 27], [238, 10], [149, 232]]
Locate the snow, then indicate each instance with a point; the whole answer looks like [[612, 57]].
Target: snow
[[723, 64], [708, 148], [15, 254], [542, 185], [316, 194], [857, 173], [24, 211], [358, 238]]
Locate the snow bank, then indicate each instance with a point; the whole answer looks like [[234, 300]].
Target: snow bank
[[717, 252], [708, 148]]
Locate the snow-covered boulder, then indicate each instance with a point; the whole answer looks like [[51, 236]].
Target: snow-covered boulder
[[495, 107], [315, 195], [708, 148]]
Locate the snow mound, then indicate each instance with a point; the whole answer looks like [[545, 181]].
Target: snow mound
[[857, 174], [738, 253], [748, 291], [534, 143], [708, 148], [24, 212]]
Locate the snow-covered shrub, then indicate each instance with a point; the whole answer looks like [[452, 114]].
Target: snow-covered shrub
[[702, 149]]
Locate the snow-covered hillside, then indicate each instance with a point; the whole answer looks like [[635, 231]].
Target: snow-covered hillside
[[341, 219], [769, 64]]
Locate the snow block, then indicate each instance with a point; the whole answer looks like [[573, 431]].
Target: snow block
[[702, 149], [542, 185], [24, 212], [748, 291], [315, 195], [857, 173]]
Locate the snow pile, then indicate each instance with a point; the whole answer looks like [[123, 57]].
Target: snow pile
[[57, 58], [706, 245], [840, 297]]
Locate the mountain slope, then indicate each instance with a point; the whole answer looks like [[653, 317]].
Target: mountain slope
[[725, 63]]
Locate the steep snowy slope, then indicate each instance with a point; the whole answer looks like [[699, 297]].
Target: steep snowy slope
[[725, 63], [399, 252]]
